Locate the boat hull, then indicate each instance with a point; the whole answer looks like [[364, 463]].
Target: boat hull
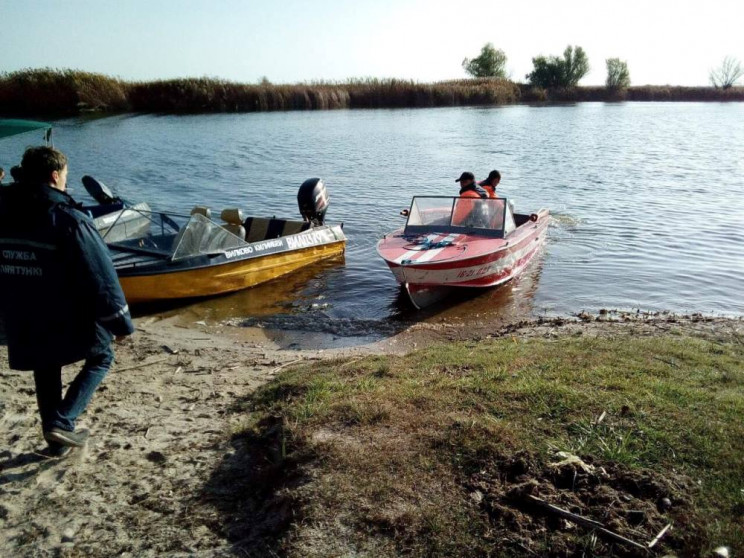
[[447, 262], [149, 271], [222, 278]]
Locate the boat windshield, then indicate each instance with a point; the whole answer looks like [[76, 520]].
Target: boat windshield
[[170, 235], [202, 236], [488, 217]]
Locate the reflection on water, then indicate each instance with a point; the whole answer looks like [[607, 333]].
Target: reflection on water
[[300, 291], [646, 198]]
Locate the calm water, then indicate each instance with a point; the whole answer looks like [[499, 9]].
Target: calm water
[[647, 198]]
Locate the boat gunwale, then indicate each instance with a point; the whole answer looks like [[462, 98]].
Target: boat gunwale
[[165, 265]]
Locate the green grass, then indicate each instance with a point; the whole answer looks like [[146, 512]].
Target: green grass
[[395, 439]]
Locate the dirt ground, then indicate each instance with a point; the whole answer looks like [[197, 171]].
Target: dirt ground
[[161, 426]]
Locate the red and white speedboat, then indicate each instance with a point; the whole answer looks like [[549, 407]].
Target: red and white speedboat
[[461, 243]]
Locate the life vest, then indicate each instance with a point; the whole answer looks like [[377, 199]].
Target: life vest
[[464, 209], [490, 190]]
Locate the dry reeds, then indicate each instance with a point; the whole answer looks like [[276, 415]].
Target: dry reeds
[[51, 91], [63, 92]]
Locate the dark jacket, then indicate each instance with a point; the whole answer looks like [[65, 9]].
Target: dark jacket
[[60, 298]]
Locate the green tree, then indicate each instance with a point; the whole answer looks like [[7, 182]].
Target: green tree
[[553, 71], [490, 63], [727, 74], [618, 76]]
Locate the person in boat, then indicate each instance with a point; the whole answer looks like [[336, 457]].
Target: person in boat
[[467, 213], [468, 187], [2, 174], [59, 294], [490, 184]]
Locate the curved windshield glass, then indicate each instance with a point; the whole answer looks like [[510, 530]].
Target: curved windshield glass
[[202, 236], [492, 217]]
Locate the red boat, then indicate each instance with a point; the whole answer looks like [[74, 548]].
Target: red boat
[[458, 242]]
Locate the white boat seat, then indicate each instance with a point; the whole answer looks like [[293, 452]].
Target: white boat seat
[[202, 210], [233, 218]]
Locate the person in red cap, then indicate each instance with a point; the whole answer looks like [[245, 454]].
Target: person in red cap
[[490, 183]]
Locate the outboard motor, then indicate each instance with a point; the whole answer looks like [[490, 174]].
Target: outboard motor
[[313, 201], [99, 191]]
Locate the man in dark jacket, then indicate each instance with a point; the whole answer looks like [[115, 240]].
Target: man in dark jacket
[[59, 295], [468, 187]]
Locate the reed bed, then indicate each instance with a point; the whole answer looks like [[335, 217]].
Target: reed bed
[[50, 91], [66, 92]]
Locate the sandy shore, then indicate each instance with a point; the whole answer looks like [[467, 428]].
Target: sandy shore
[[149, 481]]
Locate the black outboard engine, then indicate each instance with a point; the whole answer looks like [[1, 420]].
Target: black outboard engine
[[313, 201], [99, 191]]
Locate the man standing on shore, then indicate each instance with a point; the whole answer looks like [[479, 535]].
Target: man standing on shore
[[59, 294]]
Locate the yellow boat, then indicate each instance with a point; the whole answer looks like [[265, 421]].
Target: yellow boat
[[200, 257]]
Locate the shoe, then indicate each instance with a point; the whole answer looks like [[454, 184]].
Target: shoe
[[65, 438], [57, 451]]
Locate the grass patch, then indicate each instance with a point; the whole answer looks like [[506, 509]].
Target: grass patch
[[428, 455]]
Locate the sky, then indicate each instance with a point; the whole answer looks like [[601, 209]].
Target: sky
[[291, 41]]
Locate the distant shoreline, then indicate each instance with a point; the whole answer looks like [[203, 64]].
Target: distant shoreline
[[46, 92]]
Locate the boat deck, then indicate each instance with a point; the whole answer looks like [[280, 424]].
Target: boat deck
[[130, 256]]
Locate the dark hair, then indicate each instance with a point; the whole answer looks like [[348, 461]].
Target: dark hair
[[39, 163], [16, 172], [493, 174]]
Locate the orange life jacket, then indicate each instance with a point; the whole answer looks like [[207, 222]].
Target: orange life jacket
[[490, 190], [463, 209]]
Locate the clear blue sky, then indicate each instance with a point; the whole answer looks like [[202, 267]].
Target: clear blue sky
[[663, 41]]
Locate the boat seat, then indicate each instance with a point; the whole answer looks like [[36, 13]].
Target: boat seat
[[233, 222], [202, 210], [294, 227], [261, 228]]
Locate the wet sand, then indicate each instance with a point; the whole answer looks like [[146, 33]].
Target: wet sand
[[149, 480]]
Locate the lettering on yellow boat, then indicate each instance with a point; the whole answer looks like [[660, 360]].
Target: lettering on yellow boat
[[261, 246], [292, 242], [239, 252], [305, 240]]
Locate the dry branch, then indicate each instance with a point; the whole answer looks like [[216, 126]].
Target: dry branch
[[585, 522]]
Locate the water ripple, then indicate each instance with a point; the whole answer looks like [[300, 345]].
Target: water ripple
[[646, 197]]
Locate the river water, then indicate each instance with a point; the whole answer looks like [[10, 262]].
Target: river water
[[647, 198]]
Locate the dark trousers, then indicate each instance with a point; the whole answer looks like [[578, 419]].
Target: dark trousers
[[62, 412]]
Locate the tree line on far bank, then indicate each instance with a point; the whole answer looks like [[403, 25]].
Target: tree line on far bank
[[554, 71], [53, 93]]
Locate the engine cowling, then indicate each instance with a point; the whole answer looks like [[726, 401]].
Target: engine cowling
[[99, 191], [313, 200]]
